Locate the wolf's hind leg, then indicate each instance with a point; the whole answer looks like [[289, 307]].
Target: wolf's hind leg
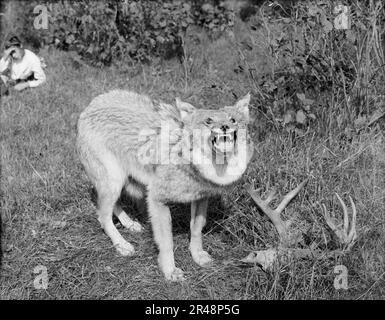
[[161, 224], [133, 189], [125, 220], [198, 221], [106, 203]]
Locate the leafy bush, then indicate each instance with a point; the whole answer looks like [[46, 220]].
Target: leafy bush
[[106, 31], [318, 71]]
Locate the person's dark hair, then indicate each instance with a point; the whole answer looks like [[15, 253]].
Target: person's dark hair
[[13, 42]]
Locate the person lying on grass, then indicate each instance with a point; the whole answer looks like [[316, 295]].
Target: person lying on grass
[[19, 67]]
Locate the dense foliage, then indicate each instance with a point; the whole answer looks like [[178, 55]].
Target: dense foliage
[[320, 70], [103, 31], [309, 59]]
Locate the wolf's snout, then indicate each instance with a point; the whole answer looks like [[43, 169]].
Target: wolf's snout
[[225, 127]]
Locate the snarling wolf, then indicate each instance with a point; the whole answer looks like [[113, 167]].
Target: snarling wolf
[[166, 154]]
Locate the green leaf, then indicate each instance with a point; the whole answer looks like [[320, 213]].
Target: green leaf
[[313, 10], [350, 35], [311, 116], [207, 7], [360, 121], [160, 39], [287, 118], [300, 117], [304, 100], [327, 26]]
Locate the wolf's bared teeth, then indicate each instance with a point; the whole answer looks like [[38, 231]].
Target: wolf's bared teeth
[[225, 137], [223, 141]]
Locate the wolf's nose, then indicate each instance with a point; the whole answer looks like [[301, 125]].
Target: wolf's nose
[[225, 127]]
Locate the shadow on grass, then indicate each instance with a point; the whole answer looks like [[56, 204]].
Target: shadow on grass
[[180, 213], [181, 216]]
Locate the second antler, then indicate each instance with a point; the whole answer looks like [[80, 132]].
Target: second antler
[[345, 236]]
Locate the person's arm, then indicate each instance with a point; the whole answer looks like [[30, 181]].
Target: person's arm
[[38, 74]]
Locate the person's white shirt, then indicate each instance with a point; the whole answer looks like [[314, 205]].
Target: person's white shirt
[[21, 70]]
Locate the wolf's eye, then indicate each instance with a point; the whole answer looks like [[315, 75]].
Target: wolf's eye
[[232, 120], [209, 121]]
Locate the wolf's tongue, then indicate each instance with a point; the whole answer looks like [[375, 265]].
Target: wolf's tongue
[[224, 146]]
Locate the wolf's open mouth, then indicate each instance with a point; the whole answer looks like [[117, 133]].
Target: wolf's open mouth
[[223, 142]]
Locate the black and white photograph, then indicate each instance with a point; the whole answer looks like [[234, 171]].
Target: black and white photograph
[[211, 151]]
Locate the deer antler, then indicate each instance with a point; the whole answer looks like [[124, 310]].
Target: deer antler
[[345, 236], [268, 258], [275, 214]]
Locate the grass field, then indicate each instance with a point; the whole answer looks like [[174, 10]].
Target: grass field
[[48, 211]]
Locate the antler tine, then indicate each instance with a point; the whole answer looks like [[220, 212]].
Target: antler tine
[[346, 237], [353, 232], [289, 197], [262, 204], [270, 196], [345, 210], [274, 217], [329, 220]]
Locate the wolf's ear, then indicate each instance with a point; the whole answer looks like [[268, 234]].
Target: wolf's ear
[[184, 108], [242, 106]]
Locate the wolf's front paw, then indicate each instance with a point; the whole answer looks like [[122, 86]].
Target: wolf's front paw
[[133, 226], [176, 275], [202, 258], [129, 224], [125, 249]]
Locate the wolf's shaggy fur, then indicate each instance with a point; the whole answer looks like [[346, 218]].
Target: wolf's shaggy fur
[[120, 126]]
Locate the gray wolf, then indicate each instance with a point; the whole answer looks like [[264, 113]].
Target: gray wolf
[[164, 153]]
